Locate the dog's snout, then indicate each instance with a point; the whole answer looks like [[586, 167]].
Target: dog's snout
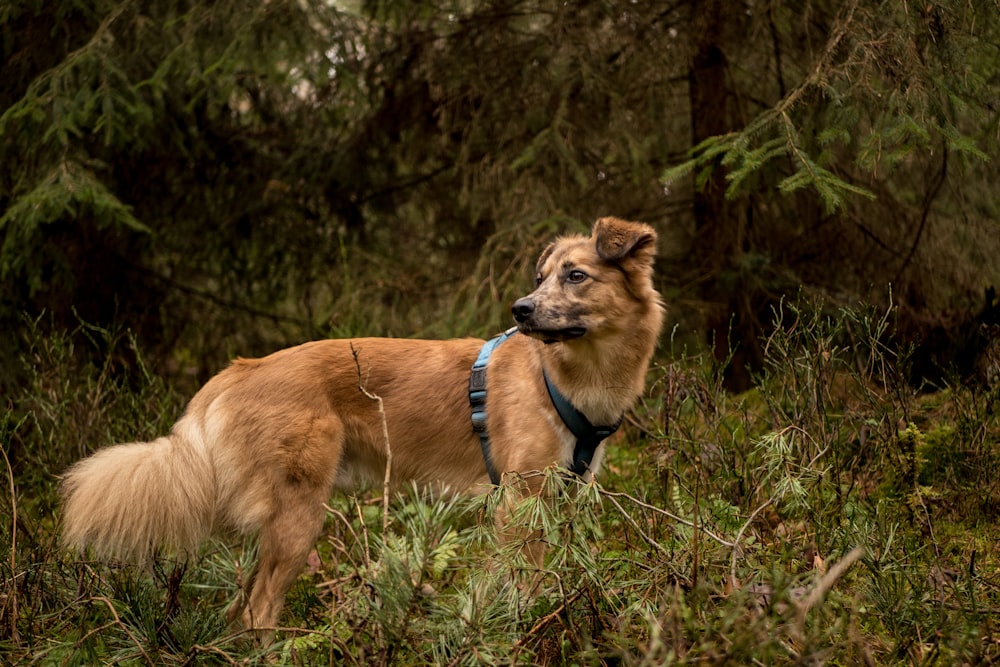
[[523, 308]]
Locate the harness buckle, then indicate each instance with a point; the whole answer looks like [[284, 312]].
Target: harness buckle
[[477, 382]]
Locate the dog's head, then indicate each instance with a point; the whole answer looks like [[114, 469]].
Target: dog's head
[[590, 287]]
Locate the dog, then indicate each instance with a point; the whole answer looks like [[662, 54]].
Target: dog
[[262, 444]]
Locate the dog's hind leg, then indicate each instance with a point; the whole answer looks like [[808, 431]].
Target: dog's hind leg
[[291, 531], [285, 542]]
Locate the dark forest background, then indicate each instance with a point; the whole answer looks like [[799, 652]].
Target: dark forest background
[[811, 475], [232, 177]]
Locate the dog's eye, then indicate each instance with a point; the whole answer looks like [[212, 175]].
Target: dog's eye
[[576, 276], [538, 279]]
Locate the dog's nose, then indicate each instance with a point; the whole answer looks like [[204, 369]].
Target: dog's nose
[[523, 308]]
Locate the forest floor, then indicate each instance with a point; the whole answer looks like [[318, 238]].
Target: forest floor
[[831, 515]]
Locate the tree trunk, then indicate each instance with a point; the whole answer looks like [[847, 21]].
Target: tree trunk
[[720, 223]]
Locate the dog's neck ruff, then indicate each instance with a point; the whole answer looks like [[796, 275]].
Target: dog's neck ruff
[[588, 436]]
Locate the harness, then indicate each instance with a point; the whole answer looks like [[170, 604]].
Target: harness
[[588, 436], [477, 398]]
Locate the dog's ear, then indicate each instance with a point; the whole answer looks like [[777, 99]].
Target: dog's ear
[[617, 240]]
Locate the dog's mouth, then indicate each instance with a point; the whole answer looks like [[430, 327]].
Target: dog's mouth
[[549, 336]]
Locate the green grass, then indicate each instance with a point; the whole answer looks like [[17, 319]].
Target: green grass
[[831, 515]]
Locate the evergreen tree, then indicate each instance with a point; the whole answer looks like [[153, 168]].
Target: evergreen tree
[[231, 177]]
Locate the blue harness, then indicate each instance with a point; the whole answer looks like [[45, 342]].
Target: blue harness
[[588, 436]]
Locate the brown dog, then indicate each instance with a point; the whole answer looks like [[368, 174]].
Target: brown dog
[[262, 444]]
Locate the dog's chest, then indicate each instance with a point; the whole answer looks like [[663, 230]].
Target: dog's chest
[[565, 438]]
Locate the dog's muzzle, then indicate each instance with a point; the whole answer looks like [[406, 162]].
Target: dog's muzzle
[[524, 312]]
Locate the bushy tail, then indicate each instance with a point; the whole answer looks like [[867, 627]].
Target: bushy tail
[[128, 500]]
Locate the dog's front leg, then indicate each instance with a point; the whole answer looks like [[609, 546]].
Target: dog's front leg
[[520, 517]]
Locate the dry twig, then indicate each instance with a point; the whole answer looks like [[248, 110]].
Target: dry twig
[[385, 440]]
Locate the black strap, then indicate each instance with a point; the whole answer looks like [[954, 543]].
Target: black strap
[[588, 436]]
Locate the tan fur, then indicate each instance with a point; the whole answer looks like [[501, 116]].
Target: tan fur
[[262, 444]]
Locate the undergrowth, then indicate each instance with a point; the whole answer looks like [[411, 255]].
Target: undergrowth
[[832, 514]]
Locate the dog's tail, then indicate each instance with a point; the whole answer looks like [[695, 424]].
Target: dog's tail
[[127, 501]]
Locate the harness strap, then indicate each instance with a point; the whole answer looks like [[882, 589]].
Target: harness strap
[[588, 436], [477, 399]]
